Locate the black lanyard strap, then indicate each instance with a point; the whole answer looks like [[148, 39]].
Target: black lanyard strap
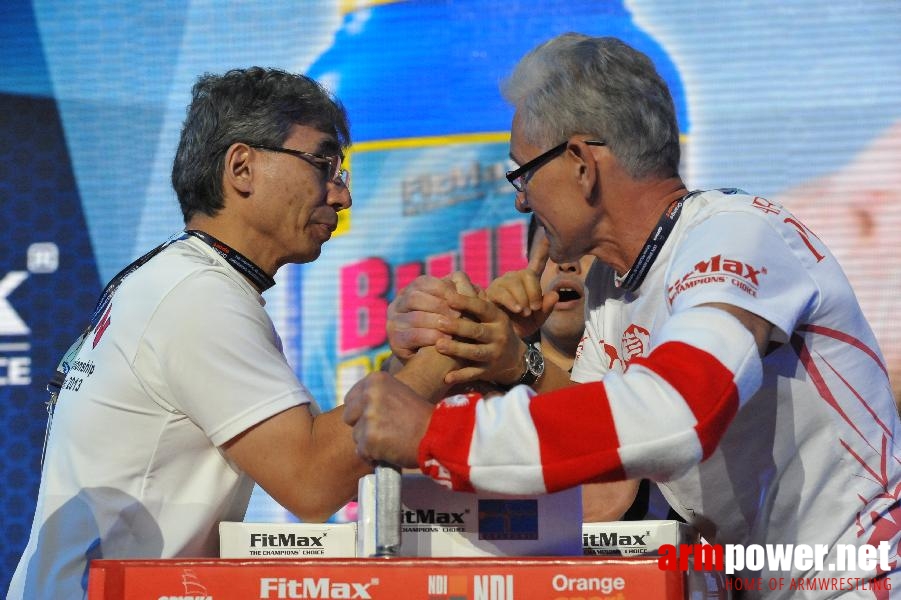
[[241, 263], [54, 386], [238, 261], [107, 295], [654, 244]]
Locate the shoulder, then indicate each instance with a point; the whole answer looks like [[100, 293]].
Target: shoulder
[[186, 290], [703, 205], [727, 219], [750, 253], [188, 270]]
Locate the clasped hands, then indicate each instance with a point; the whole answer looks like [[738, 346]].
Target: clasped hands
[[444, 333]]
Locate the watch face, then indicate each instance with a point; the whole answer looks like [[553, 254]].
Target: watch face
[[535, 361], [534, 365]]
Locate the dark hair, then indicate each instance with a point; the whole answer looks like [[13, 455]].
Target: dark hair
[[254, 106], [598, 86]]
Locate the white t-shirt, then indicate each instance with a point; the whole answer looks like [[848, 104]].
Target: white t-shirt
[[185, 360], [797, 448], [809, 458]]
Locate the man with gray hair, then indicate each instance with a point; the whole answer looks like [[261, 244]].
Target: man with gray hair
[[724, 355]]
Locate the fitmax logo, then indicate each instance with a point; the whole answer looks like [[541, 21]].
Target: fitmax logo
[[313, 587], [431, 517], [718, 269], [613, 539], [285, 540]]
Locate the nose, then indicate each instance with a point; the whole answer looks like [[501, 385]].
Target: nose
[[522, 205], [338, 196], [569, 267]]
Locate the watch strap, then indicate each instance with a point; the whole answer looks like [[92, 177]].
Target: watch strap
[[534, 365]]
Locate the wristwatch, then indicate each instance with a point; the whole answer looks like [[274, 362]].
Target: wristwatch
[[534, 365]]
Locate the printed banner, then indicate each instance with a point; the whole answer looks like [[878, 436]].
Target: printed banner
[[92, 97], [380, 579]]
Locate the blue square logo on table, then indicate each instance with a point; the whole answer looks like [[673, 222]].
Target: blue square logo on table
[[507, 519]]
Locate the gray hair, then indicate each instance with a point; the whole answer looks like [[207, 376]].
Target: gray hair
[[597, 86], [254, 106]]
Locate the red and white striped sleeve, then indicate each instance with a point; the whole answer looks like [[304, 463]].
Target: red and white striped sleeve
[[665, 414]]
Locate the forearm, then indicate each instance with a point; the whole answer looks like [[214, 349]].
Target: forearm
[[307, 464], [333, 468], [424, 373], [553, 378], [607, 501], [657, 420]]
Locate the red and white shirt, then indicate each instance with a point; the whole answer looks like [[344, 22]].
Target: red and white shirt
[[794, 448]]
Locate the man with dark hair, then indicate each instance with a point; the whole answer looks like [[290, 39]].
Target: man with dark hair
[[558, 340], [179, 397], [725, 355], [562, 330]]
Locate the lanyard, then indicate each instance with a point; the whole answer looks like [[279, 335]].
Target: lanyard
[[54, 386], [654, 244], [241, 263], [238, 261], [106, 295]]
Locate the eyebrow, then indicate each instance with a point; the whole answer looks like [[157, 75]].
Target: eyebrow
[[329, 146]]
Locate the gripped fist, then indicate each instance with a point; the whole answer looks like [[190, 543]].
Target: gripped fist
[[388, 418], [413, 315]]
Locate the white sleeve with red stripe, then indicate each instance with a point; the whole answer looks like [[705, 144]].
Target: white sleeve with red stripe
[[657, 420]]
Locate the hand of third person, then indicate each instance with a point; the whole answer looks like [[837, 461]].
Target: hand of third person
[[483, 338], [518, 293]]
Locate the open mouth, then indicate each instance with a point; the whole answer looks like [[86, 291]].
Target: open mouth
[[568, 294]]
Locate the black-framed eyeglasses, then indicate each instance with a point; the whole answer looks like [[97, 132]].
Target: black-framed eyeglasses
[[518, 178], [330, 164]]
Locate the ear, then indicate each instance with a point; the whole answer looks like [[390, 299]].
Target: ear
[[237, 171], [586, 166]]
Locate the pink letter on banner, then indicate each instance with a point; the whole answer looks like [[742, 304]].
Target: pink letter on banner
[[362, 306], [404, 274], [440, 265], [475, 256], [511, 247]]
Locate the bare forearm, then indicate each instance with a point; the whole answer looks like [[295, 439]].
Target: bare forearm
[[307, 464], [607, 501], [424, 373], [553, 378], [334, 468]]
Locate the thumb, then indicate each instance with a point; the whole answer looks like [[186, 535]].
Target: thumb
[[354, 403]]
